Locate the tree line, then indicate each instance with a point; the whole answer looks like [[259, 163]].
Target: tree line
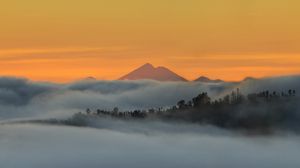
[[256, 111]]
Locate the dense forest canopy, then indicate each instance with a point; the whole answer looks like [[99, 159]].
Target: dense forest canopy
[[263, 111]]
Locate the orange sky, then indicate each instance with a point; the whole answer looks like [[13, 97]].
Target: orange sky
[[63, 40]]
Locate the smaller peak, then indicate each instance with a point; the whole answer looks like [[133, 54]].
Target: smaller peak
[[90, 78], [208, 80], [203, 77], [249, 78]]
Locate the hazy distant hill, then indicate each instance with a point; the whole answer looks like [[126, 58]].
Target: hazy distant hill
[[249, 78], [148, 71], [207, 80]]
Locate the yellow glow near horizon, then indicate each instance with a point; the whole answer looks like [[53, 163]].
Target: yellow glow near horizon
[[229, 39]]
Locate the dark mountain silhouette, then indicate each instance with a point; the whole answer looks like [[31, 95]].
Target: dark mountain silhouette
[[148, 71], [207, 80]]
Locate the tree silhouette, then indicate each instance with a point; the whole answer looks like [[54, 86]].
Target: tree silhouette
[[181, 104]]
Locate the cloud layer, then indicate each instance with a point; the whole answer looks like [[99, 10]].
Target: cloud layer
[[23, 98], [117, 143], [35, 146]]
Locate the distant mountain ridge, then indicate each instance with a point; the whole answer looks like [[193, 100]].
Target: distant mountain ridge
[[148, 71], [160, 73]]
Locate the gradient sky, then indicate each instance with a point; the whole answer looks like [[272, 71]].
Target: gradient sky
[[64, 40]]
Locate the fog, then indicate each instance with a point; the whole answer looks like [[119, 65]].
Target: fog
[[133, 143], [36, 146], [21, 98]]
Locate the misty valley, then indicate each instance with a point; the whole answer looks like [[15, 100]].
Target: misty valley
[[91, 123], [257, 113]]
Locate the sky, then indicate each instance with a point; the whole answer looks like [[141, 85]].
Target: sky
[[64, 40]]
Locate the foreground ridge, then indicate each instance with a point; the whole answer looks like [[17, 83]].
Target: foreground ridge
[[262, 112]]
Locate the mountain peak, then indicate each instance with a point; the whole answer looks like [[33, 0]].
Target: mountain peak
[[147, 65], [248, 78], [207, 80], [148, 71], [203, 78]]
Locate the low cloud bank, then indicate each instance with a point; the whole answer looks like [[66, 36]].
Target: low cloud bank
[[132, 143], [35, 146], [23, 98]]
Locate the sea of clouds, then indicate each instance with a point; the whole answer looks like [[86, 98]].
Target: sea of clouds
[[24, 98], [116, 143]]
